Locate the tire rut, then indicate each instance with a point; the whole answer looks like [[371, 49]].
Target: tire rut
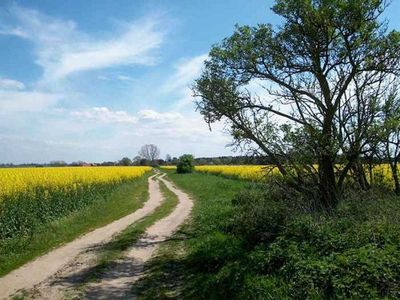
[[117, 281]]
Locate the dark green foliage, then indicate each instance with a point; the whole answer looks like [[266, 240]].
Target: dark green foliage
[[345, 255], [258, 219], [259, 287], [126, 161], [213, 251], [185, 164]]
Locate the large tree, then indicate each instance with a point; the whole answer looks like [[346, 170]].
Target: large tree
[[149, 152], [322, 71]]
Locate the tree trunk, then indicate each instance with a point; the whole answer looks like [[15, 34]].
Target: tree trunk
[[371, 175], [396, 179], [329, 190], [360, 177], [330, 193]]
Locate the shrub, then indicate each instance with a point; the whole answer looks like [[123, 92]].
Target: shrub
[[185, 164], [350, 255], [259, 215], [213, 259], [213, 250], [275, 249], [259, 287]]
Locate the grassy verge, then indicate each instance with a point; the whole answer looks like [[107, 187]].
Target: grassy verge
[[129, 236], [127, 198]]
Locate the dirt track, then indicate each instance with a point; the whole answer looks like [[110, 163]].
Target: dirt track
[[53, 274], [117, 282]]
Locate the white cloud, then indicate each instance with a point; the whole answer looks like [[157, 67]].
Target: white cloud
[[104, 115], [186, 134], [62, 49], [16, 31], [116, 77], [185, 99], [11, 84], [180, 82], [186, 72], [125, 78], [61, 136], [149, 114], [24, 101]]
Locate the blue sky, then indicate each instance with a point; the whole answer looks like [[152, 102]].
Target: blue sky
[[94, 80]]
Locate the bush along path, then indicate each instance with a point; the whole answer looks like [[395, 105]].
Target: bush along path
[[53, 263]]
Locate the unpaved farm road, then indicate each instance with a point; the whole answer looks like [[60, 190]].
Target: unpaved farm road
[[56, 274]]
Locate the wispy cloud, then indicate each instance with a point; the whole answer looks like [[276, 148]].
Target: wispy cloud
[[152, 115], [185, 72], [26, 101], [16, 31], [62, 49], [104, 115], [11, 84], [107, 115], [125, 78]]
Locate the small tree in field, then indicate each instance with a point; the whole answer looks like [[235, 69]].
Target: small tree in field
[[125, 162], [185, 164], [149, 152]]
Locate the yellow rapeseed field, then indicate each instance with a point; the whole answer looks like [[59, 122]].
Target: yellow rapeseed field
[[168, 167], [246, 172], [30, 197], [16, 180], [258, 172]]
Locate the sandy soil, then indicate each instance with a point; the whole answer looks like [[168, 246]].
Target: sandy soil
[[72, 257]]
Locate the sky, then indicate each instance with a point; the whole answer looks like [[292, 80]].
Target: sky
[[95, 80]]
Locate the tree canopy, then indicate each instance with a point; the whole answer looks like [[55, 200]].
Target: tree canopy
[[324, 75]]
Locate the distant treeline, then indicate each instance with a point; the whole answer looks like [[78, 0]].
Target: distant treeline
[[233, 160], [220, 160]]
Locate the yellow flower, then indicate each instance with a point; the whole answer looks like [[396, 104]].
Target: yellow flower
[[26, 180]]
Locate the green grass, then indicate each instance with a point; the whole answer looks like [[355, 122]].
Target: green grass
[[124, 200], [213, 195], [169, 276], [127, 238]]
